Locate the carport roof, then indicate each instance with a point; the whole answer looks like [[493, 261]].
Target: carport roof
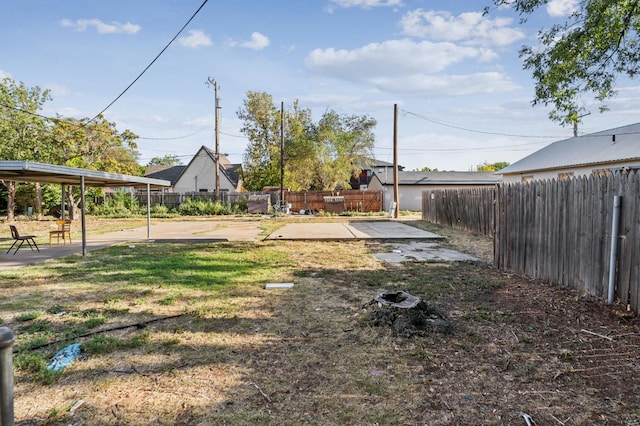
[[29, 171]]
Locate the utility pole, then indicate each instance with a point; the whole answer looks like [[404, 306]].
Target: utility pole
[[396, 189], [282, 154], [211, 82], [575, 124]]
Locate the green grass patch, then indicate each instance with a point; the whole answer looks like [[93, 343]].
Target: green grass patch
[[28, 316]]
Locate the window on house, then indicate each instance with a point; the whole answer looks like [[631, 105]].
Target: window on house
[[601, 172], [526, 179], [565, 176]]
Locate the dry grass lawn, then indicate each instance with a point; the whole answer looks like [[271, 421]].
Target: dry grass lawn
[[186, 334]]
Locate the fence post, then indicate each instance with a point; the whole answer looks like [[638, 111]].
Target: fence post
[[6, 376], [615, 225]]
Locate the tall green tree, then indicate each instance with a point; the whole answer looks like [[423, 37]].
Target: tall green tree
[[317, 156], [167, 160], [343, 144], [22, 130], [261, 124], [94, 145], [582, 56]]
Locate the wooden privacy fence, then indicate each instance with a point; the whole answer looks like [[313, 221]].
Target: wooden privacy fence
[[354, 200], [349, 200], [469, 209], [561, 232]]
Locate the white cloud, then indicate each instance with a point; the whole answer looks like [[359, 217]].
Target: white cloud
[[393, 57], [469, 27], [409, 67], [558, 8], [258, 42], [367, 4], [101, 27], [58, 90], [195, 39], [447, 85], [4, 74]]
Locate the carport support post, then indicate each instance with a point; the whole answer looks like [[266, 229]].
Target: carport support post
[[62, 212], [6, 376], [84, 228], [148, 211]]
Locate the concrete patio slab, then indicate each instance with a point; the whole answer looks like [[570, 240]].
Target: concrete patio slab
[[350, 230]]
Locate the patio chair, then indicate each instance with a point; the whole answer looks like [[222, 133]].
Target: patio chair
[[64, 231], [22, 238]]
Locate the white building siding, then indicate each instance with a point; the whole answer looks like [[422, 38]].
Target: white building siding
[[560, 173]]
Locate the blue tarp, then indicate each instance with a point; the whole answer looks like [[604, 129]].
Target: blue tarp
[[64, 357]]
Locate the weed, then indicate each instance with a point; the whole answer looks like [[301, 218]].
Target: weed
[[95, 322], [170, 342], [566, 354], [101, 344], [55, 309], [39, 326], [30, 362], [28, 316], [168, 300]]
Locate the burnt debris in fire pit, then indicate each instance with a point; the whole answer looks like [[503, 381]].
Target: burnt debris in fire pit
[[406, 314]]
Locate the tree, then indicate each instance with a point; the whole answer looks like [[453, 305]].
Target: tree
[[94, 145], [21, 131], [493, 167], [343, 144], [167, 160], [317, 156], [426, 169], [261, 124], [583, 55]]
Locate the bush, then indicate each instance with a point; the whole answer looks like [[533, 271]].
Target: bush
[[120, 204], [206, 208]]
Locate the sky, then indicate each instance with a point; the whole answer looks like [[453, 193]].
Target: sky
[[462, 94]]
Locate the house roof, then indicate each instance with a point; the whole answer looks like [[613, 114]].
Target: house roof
[[373, 164], [170, 173], [609, 146], [439, 178], [173, 173]]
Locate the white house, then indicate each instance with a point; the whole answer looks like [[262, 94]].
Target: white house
[[600, 152], [411, 185], [200, 174]]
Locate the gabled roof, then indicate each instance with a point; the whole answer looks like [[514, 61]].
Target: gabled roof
[[173, 173], [439, 178], [170, 173], [609, 146]]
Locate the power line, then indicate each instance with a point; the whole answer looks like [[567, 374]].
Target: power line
[[80, 126], [453, 126], [150, 64]]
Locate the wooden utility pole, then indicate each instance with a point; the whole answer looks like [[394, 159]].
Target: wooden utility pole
[[282, 154], [396, 190], [212, 82]]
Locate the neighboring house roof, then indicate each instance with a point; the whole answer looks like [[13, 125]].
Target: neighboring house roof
[[170, 173], [373, 164], [440, 178], [609, 146], [173, 173]]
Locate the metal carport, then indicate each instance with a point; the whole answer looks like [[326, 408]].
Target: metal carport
[[29, 171]]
